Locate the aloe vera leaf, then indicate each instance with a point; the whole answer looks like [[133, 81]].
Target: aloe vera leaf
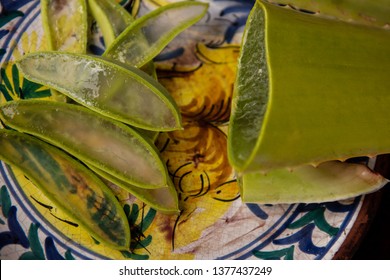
[[147, 36], [308, 90], [375, 13], [111, 17], [164, 200], [70, 186], [123, 93], [329, 181], [65, 24], [91, 137]]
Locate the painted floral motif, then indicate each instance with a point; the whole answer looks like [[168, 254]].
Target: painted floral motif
[[198, 68]]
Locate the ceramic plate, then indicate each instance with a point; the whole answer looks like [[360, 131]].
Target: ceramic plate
[[198, 68]]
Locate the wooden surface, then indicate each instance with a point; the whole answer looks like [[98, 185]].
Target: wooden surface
[[369, 238]]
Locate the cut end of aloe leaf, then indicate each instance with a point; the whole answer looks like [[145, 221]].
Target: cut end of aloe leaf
[[250, 101], [308, 90], [329, 181]]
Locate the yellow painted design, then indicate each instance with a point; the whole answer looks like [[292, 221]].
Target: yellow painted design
[[197, 162], [204, 93], [29, 42]]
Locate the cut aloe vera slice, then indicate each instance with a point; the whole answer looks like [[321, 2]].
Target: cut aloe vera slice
[[164, 200], [329, 181], [375, 13], [70, 186], [65, 24], [91, 137], [147, 36], [111, 17], [308, 90], [130, 96]]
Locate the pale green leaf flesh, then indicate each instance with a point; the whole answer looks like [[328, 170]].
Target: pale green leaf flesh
[[329, 181], [124, 93], [91, 137], [309, 90], [70, 186], [112, 20], [164, 200], [147, 36]]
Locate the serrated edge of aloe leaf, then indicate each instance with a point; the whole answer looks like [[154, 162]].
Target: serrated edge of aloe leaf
[[108, 192], [147, 144], [137, 74], [371, 13], [152, 14]]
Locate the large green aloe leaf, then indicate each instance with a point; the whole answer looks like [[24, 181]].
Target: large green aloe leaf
[[309, 89]]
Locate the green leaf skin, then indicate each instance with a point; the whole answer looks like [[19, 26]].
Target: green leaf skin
[[111, 17], [65, 24], [164, 200], [91, 137], [374, 13], [308, 90], [70, 186], [123, 93], [147, 36], [329, 181]]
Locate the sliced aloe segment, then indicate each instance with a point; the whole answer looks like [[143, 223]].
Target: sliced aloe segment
[[375, 13], [147, 36], [91, 137], [308, 90], [330, 181], [164, 200], [70, 186], [124, 93], [111, 17], [65, 24]]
